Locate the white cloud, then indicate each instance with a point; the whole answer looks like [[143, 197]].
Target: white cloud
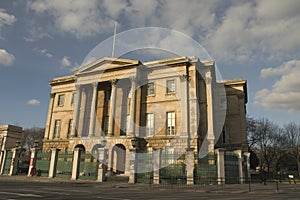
[[65, 62], [285, 93], [6, 19], [44, 52], [33, 102], [281, 70], [6, 58], [76, 17]]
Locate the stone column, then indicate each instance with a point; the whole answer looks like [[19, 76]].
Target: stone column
[[220, 166], [14, 161], [185, 107], [32, 164], [112, 108], [190, 166], [240, 165], [53, 162], [247, 155], [49, 116], [76, 163], [93, 111], [77, 111], [156, 165], [133, 166], [102, 158], [127, 162], [110, 162], [131, 128], [3, 159], [210, 118]]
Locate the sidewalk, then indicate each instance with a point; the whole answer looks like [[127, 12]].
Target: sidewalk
[[255, 188]]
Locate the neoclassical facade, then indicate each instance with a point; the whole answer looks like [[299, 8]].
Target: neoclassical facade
[[171, 104]]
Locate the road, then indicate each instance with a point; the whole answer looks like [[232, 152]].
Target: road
[[14, 188]]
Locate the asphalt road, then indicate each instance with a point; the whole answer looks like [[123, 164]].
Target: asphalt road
[[25, 188]]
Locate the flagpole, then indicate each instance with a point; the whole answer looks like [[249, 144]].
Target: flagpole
[[114, 40]]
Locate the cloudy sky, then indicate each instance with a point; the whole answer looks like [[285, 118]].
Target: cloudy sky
[[255, 40]]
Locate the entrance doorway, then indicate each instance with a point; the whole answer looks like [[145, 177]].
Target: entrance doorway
[[118, 159]]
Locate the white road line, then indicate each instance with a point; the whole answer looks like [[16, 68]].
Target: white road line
[[21, 194]]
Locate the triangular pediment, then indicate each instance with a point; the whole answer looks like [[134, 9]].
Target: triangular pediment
[[106, 63]]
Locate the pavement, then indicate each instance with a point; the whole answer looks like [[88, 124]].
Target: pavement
[[13, 187]]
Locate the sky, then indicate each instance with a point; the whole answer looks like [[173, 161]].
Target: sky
[[256, 40]]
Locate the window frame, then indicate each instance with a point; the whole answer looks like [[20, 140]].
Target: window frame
[[60, 100], [70, 127], [152, 89], [149, 129], [171, 130], [57, 128], [171, 88]]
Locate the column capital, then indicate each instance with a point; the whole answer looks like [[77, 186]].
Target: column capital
[[94, 84], [113, 81], [52, 95], [185, 77], [208, 77]]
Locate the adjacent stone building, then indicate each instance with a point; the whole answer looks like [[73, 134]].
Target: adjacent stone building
[[173, 104]]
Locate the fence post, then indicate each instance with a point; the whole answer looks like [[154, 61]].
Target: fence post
[[133, 166], [190, 166], [247, 155], [156, 164], [14, 161], [3, 159], [76, 161], [53, 162], [220, 166], [32, 163], [240, 165], [102, 157]]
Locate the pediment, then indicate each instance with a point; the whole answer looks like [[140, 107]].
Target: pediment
[[106, 63]]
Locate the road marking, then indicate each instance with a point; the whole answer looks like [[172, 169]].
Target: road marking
[[21, 194]]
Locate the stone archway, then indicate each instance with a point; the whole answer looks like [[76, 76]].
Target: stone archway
[[118, 159], [81, 147]]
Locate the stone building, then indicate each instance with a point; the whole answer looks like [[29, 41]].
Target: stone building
[[173, 104], [9, 135]]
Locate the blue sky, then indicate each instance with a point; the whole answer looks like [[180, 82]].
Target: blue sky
[[255, 40]]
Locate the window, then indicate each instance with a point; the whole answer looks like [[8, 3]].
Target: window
[[73, 100], [57, 128], [149, 124], [170, 123], [150, 89], [61, 99], [70, 127], [105, 125], [170, 86]]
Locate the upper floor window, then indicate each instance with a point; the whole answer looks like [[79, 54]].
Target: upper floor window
[[57, 125], [61, 99], [170, 123], [170, 86], [149, 124], [150, 89]]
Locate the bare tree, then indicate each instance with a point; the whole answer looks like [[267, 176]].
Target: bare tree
[[292, 132], [263, 138], [29, 136]]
